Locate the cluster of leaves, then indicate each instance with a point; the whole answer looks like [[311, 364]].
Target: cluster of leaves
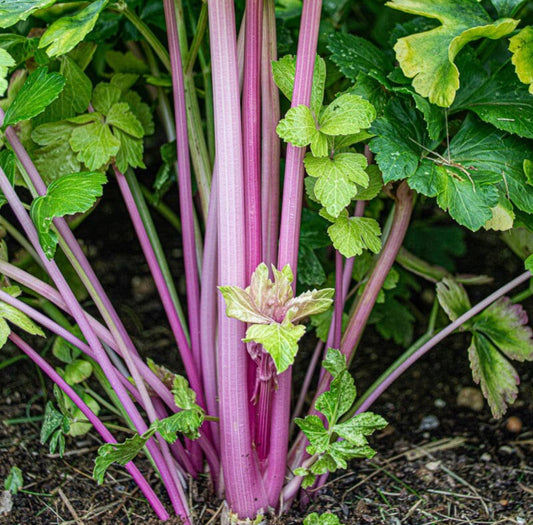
[[272, 312], [187, 421], [337, 174], [479, 175], [333, 445], [499, 333]]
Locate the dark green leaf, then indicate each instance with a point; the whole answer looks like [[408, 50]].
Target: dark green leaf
[[51, 422], [338, 400], [78, 371], [508, 7]]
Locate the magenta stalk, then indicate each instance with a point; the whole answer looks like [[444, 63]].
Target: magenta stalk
[[145, 487], [289, 239]]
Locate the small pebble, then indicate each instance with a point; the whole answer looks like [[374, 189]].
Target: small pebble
[[432, 466], [514, 425], [505, 450], [471, 398], [486, 457], [430, 422], [520, 520], [439, 403]]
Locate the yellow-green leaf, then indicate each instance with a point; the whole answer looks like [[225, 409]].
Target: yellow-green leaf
[[521, 46]]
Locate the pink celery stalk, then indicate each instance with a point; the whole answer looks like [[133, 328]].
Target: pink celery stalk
[[289, 239], [241, 475], [184, 184], [271, 144], [102, 358], [145, 487]]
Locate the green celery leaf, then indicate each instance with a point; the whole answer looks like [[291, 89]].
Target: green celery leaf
[[375, 184], [105, 96], [284, 71], [55, 160], [505, 324], [120, 116], [14, 480], [141, 110], [298, 127], [64, 351], [335, 362], [401, 141], [500, 100], [11, 11], [324, 519], [125, 62], [120, 453], [338, 399], [52, 420], [337, 178], [352, 235], [503, 216], [74, 98], [528, 263], [66, 32], [38, 91], [52, 133], [346, 115], [184, 396], [310, 269], [495, 374], [521, 46], [279, 340], [124, 81], [16, 317], [74, 193], [78, 371], [130, 153], [187, 422], [508, 7], [8, 164], [371, 90], [316, 434], [428, 57], [356, 428], [453, 298], [94, 144], [6, 61], [394, 320], [354, 55]]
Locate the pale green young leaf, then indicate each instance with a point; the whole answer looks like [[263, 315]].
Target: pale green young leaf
[[64, 351], [78, 371], [428, 57], [309, 303], [521, 46], [125, 62], [528, 170], [279, 340], [338, 399], [121, 117], [74, 193], [337, 178], [453, 298], [528, 263], [120, 453], [66, 32], [352, 235], [503, 216], [105, 96], [495, 374], [37, 92], [11, 11], [284, 71], [6, 61], [316, 434], [347, 114], [16, 317], [124, 81], [298, 127], [130, 153], [240, 305], [505, 324], [320, 146], [79, 425], [94, 144], [14, 480]]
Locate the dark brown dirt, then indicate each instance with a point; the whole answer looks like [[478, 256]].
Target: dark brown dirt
[[436, 462]]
